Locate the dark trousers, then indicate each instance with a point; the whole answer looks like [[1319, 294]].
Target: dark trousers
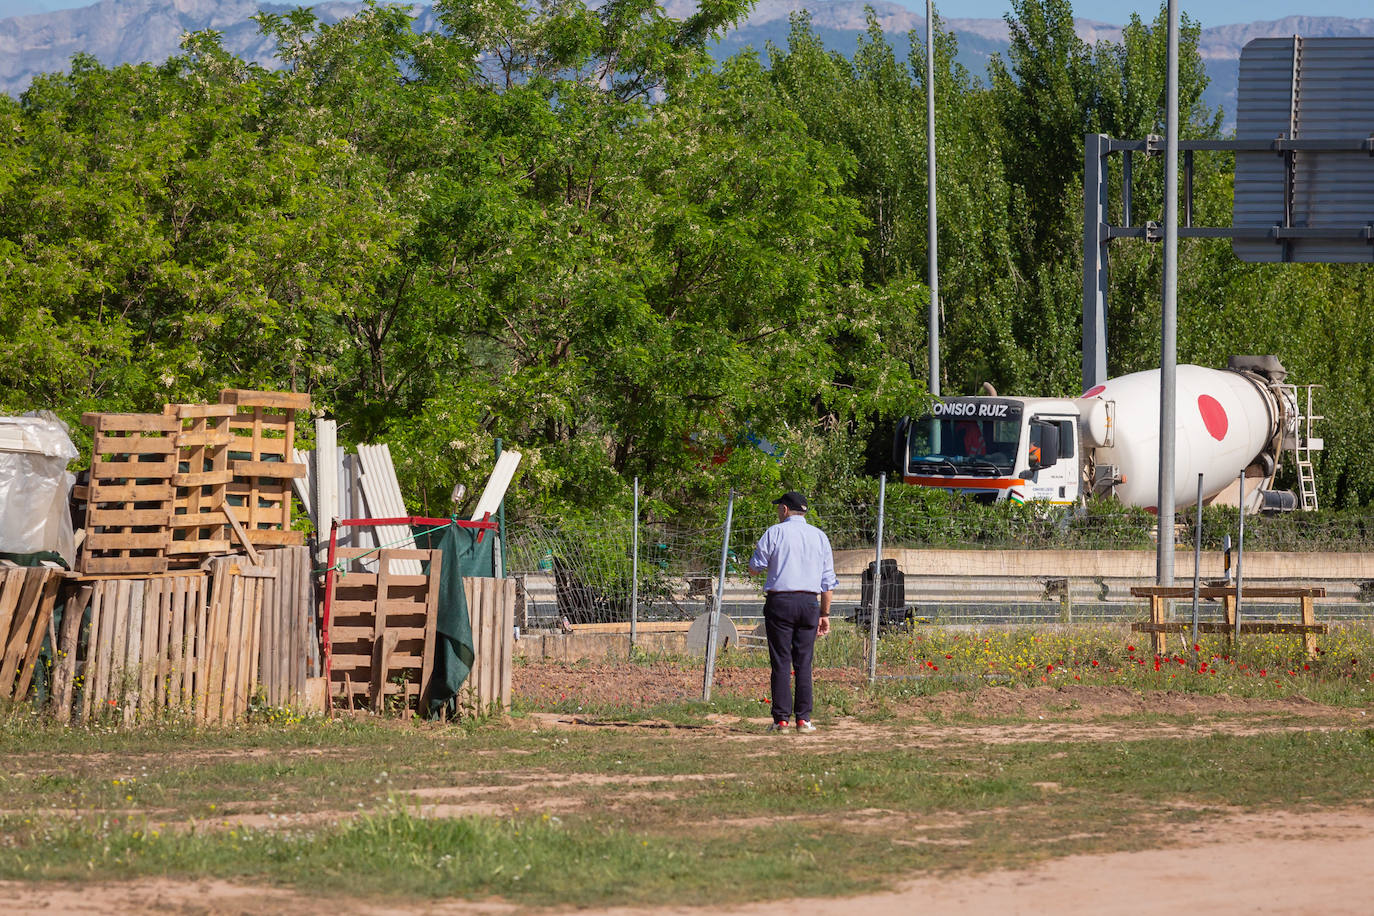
[[790, 620]]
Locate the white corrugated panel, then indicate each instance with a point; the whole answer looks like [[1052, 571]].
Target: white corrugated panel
[[1334, 101]]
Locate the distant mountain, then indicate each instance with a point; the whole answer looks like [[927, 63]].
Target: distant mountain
[[130, 31]]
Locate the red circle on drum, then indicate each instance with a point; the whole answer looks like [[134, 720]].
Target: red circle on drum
[[1213, 416], [1094, 391]]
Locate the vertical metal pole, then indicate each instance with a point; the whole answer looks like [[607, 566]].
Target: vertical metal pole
[[932, 233], [1197, 565], [501, 526], [1240, 555], [1168, 347], [634, 571], [1094, 261], [714, 625], [877, 583]]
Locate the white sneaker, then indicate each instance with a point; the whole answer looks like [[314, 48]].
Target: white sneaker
[[804, 726], [777, 727]]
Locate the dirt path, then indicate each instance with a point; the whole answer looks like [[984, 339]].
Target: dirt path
[[1272, 863]]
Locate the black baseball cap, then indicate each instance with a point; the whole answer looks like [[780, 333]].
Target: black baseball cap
[[792, 500]]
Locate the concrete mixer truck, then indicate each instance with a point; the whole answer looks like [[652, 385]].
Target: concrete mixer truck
[[1106, 441]]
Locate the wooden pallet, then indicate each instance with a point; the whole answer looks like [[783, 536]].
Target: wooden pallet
[[382, 629], [27, 596], [261, 458], [287, 626], [142, 652], [130, 496], [199, 527], [491, 608]]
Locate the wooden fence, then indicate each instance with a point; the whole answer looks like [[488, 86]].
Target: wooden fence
[[491, 608], [27, 597]]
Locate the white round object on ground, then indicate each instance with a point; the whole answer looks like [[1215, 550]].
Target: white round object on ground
[[726, 634]]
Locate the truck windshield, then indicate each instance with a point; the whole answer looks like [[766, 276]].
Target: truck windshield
[[966, 444]]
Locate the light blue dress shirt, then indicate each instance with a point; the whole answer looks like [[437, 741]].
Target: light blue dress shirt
[[797, 556]]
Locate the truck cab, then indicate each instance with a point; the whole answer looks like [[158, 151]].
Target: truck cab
[[994, 449]]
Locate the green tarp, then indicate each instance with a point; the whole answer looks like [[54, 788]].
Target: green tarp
[[464, 556]]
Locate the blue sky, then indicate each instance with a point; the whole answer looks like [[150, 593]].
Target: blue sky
[[1209, 12]]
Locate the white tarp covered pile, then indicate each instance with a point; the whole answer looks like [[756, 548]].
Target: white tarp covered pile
[[35, 487]]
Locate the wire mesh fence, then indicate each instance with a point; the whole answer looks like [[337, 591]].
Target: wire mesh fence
[[1010, 566]]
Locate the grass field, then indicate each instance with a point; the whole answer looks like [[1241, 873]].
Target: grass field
[[588, 797]]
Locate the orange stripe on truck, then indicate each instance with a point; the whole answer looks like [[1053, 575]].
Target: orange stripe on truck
[[983, 483]]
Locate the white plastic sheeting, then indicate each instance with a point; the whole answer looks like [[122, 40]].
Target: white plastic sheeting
[[35, 487]]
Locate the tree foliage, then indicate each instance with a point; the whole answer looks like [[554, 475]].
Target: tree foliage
[[563, 225]]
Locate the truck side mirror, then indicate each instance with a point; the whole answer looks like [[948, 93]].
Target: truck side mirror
[[1044, 444], [899, 437]]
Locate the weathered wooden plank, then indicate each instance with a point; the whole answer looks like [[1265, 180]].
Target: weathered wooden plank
[[253, 641], [506, 632], [130, 422], [268, 538], [101, 493], [12, 585], [239, 533], [119, 540], [1258, 591], [349, 634], [198, 548], [425, 683], [274, 469], [26, 631], [200, 411], [243, 397], [100, 566], [202, 478], [196, 676], [133, 659], [201, 438], [1217, 626], [154, 591], [119, 641], [91, 662], [104, 469], [213, 661], [64, 672], [126, 518]]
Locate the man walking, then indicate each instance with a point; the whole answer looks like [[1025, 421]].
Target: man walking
[[799, 585]]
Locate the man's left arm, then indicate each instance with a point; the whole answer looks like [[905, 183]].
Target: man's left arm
[[828, 582]]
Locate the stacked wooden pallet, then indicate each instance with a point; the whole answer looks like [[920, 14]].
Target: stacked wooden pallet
[[382, 629], [261, 457], [130, 496], [171, 488], [203, 437], [27, 597]]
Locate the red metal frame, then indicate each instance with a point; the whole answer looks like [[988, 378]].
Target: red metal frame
[[482, 527]]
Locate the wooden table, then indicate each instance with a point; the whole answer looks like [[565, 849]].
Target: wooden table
[[1159, 594]]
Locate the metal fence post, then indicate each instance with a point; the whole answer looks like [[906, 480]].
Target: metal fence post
[[713, 626], [634, 571], [1240, 554], [877, 584], [1197, 565]]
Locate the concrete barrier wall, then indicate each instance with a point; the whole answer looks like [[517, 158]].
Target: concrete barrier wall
[[570, 647], [1107, 563]]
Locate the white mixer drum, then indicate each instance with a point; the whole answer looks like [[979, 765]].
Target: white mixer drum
[[1224, 421]]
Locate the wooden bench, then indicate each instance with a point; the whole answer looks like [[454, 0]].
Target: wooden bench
[[1160, 594]]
